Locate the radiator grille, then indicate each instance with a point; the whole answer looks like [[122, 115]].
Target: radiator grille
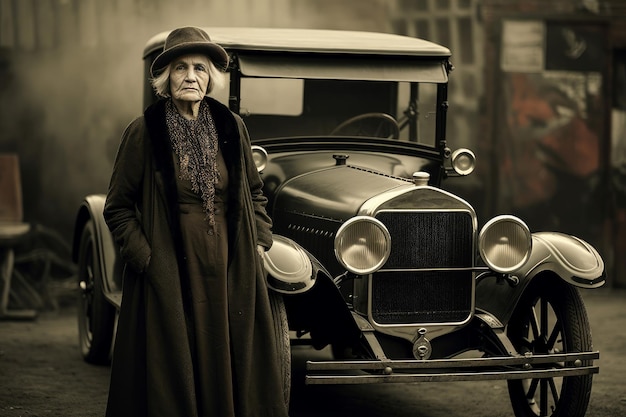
[[425, 240], [421, 297], [429, 239]]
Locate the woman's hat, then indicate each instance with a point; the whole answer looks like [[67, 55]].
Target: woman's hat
[[189, 40]]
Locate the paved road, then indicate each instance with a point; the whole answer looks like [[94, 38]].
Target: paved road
[[42, 374]]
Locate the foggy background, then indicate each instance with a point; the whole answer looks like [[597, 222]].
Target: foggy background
[[71, 79]]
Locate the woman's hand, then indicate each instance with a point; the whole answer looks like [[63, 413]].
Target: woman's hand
[[261, 250]]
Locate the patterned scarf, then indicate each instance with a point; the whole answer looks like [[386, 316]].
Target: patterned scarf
[[195, 143]]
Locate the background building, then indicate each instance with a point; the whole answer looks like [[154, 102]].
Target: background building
[[538, 91]]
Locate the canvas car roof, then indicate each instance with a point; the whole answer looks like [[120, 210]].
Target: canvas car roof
[[314, 41], [269, 52]]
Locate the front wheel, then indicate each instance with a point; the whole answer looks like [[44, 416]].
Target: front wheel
[[283, 343], [550, 318]]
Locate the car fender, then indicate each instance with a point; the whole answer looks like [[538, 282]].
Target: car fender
[[572, 259], [307, 286], [92, 209], [289, 267]]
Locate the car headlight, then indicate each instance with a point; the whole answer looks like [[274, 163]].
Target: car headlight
[[505, 243], [362, 245], [259, 155], [463, 161]]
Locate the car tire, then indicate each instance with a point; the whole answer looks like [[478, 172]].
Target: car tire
[[96, 316], [281, 333], [550, 316]]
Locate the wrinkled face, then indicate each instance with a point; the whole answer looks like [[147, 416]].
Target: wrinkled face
[[189, 77]]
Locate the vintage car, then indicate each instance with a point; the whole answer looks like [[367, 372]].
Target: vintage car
[[373, 257]]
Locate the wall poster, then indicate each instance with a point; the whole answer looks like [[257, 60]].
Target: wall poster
[[551, 130]]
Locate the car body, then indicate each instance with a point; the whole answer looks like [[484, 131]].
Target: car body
[[372, 256]]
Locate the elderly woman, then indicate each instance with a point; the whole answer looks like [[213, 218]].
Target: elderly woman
[[185, 206]]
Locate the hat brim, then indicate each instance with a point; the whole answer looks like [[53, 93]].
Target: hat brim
[[213, 51]]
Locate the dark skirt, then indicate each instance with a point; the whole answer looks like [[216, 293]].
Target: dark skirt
[[206, 254], [206, 249]]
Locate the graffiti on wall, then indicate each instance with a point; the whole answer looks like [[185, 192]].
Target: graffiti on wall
[[552, 129]]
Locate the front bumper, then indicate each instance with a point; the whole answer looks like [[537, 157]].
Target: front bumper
[[442, 370]]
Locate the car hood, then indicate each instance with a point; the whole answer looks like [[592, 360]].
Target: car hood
[[334, 193]]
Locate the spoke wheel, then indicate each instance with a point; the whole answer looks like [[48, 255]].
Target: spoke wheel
[[550, 318], [96, 317], [283, 344]]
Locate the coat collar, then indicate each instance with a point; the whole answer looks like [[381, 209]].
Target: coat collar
[[230, 143], [225, 124]]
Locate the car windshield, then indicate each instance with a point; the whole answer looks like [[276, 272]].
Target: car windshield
[[289, 107]]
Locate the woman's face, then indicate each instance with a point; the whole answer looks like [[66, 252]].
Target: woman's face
[[189, 77]]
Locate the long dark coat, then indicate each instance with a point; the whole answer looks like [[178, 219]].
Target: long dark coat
[[152, 369]]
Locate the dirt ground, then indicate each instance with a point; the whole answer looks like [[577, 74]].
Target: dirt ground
[[42, 374]]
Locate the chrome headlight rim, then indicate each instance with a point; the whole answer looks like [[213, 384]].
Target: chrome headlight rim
[[463, 161], [486, 242], [259, 155], [343, 233]]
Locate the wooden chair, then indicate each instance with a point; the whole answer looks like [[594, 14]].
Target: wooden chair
[[13, 230]]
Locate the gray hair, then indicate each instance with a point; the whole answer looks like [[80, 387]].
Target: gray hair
[[161, 82]]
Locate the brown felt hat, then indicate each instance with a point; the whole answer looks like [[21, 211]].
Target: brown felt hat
[[189, 40]]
